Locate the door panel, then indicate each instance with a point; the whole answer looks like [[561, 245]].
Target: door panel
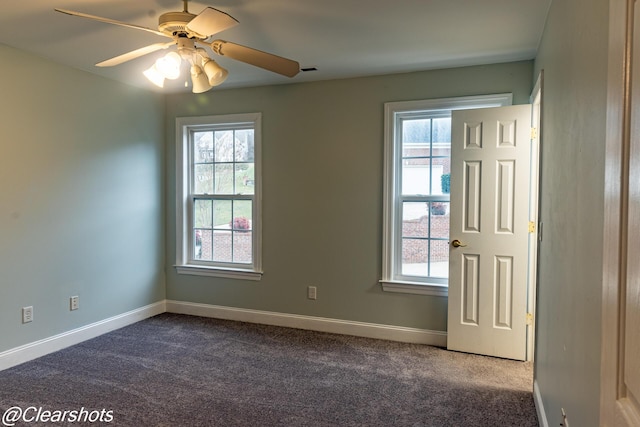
[[470, 290], [471, 196], [503, 292], [505, 196], [489, 215]]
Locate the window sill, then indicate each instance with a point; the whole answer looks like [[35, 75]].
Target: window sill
[[228, 273], [415, 288]]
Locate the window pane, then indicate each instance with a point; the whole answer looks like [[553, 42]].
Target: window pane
[[439, 262], [222, 246], [224, 146], [244, 145], [202, 245], [441, 130], [416, 131], [415, 254], [221, 213], [224, 178], [242, 218], [203, 179], [440, 220], [202, 214], [245, 179], [203, 147], [242, 246], [415, 219], [415, 176]]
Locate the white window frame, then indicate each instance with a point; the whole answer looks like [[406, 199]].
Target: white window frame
[[185, 264], [392, 279]]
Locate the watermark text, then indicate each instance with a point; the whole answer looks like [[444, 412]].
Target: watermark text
[[33, 414]]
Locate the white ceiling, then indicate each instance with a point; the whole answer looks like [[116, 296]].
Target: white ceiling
[[341, 38]]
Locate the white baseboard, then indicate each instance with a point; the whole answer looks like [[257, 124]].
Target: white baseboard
[[27, 352], [45, 346], [321, 324], [537, 399]]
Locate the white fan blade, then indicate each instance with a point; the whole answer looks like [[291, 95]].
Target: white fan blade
[[268, 61], [134, 54], [210, 21], [110, 21]]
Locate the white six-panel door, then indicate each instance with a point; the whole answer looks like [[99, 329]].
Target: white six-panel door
[[489, 218]]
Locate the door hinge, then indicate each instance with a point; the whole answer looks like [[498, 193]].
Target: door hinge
[[532, 227], [529, 319], [534, 133]]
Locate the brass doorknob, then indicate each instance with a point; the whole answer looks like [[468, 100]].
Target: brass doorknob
[[457, 244]]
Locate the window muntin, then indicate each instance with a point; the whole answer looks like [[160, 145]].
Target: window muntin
[[416, 191], [219, 221]]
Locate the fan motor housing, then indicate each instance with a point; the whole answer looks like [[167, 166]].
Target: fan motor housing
[[171, 23]]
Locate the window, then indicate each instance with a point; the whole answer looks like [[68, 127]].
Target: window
[[416, 199], [218, 192]]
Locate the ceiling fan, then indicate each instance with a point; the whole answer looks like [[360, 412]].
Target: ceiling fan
[[190, 33]]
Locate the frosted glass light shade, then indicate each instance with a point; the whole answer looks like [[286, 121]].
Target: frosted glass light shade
[[169, 65], [215, 73], [199, 80], [154, 76]]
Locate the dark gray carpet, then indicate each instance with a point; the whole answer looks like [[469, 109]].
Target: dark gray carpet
[[175, 370]]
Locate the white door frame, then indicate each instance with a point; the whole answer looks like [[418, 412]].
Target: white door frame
[[616, 408], [534, 211]]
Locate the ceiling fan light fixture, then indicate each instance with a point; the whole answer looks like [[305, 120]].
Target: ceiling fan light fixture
[[154, 76], [187, 32], [199, 80], [215, 73], [169, 65]]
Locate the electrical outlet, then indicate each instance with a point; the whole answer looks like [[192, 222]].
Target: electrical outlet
[[312, 292], [27, 314], [74, 303]]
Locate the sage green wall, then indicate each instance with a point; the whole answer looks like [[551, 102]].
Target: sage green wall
[[322, 195], [81, 197], [573, 54]]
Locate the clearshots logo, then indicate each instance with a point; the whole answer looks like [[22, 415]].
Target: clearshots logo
[[34, 414]]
